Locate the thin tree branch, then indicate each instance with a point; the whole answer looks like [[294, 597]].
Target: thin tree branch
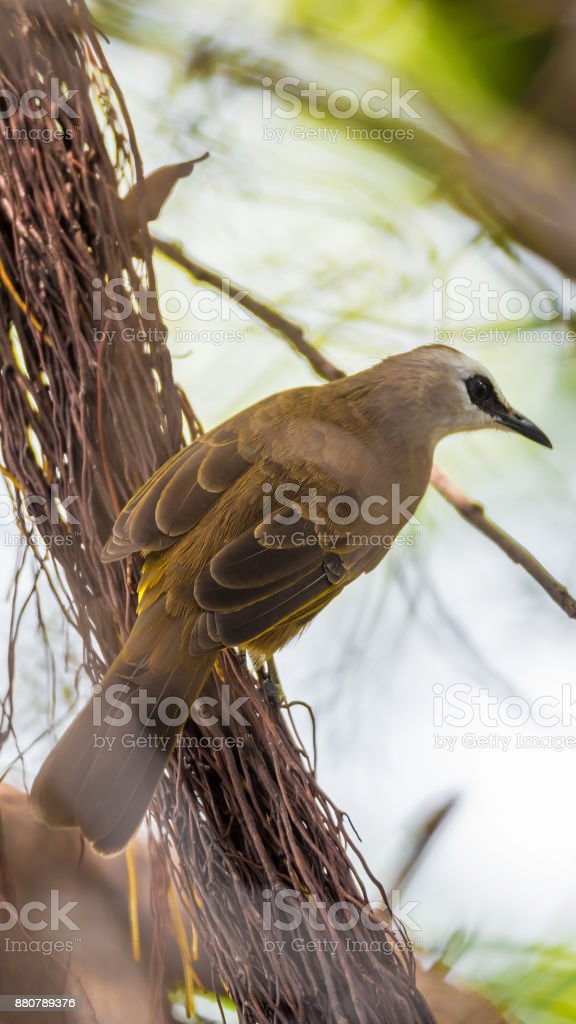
[[473, 513], [470, 510], [287, 329]]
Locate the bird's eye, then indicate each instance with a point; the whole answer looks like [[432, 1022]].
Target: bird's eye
[[479, 389]]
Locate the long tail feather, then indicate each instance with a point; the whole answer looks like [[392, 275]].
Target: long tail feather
[[102, 774]]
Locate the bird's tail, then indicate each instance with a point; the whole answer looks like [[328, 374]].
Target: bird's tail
[[102, 774]]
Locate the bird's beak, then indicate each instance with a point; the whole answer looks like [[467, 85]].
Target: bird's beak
[[513, 420]]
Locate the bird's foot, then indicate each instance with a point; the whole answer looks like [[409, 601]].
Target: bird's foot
[[271, 685]]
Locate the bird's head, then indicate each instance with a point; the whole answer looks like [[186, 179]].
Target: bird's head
[[460, 394]]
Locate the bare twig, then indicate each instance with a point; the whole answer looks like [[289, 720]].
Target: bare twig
[[473, 513], [470, 510], [426, 832], [287, 329]]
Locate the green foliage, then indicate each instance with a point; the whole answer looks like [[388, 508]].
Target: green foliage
[[534, 984]]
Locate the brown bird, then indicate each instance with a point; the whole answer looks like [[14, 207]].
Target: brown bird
[[247, 534]]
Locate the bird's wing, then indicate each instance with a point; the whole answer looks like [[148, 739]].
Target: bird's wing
[[177, 496], [211, 560], [266, 578]]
